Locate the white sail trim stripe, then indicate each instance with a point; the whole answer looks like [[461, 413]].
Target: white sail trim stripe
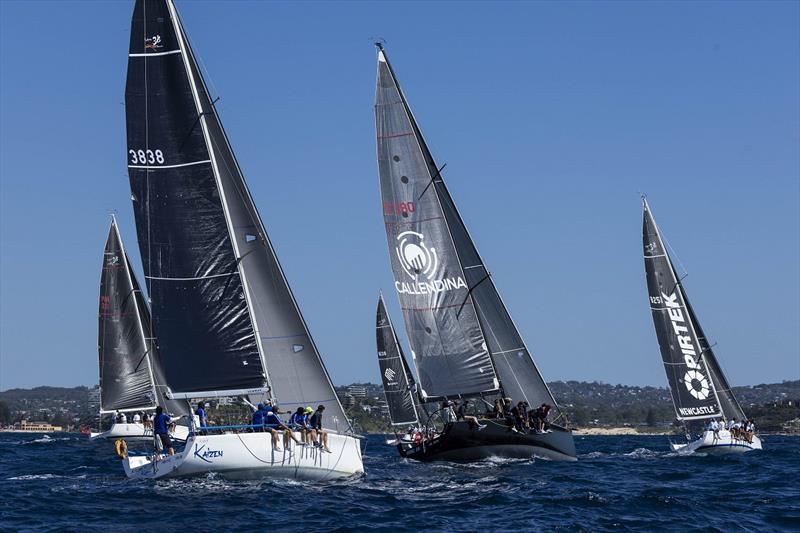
[[156, 167], [154, 54], [653, 256], [194, 279]]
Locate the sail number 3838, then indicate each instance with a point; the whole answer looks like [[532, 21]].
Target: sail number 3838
[[146, 157]]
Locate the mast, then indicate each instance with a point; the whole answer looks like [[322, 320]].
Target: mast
[[511, 360], [691, 385], [262, 339], [126, 380], [397, 383]]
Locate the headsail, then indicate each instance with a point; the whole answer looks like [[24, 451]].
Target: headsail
[[727, 401], [415, 197], [224, 311], [126, 381], [690, 382], [130, 374], [398, 385]]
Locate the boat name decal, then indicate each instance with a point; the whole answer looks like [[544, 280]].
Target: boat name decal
[[696, 382], [206, 454]]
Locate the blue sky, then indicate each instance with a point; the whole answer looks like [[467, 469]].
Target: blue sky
[[551, 117]]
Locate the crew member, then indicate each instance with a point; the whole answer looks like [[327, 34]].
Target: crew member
[[160, 423], [316, 424], [202, 419]]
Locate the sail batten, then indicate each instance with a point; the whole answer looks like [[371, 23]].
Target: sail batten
[[682, 344]]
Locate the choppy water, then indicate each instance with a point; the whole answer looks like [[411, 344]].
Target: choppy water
[[621, 483]]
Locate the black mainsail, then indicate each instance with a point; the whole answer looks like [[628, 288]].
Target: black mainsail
[[463, 339], [687, 356], [398, 384], [226, 320], [131, 378]]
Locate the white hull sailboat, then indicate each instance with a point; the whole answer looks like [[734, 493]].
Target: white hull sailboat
[[720, 443], [225, 321], [251, 456], [699, 388]]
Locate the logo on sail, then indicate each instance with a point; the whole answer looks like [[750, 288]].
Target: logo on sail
[[695, 381], [697, 384], [650, 248], [153, 43], [415, 256], [419, 260], [390, 374]]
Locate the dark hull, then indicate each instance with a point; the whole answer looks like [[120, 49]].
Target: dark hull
[[461, 444]]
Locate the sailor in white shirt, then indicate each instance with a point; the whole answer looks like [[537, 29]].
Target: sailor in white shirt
[[136, 418]]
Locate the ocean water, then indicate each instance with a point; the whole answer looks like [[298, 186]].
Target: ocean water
[[634, 483]]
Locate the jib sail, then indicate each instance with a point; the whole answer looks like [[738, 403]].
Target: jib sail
[[398, 385]]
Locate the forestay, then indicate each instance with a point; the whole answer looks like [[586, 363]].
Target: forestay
[[397, 382], [236, 259], [690, 381]]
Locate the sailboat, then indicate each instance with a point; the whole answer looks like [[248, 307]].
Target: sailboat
[[131, 378], [399, 387], [464, 343], [225, 319], [700, 390]]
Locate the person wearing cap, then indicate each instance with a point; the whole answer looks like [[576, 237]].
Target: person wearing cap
[[316, 424]]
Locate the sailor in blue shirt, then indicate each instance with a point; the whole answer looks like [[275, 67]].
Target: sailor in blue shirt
[[201, 415], [274, 422], [258, 418], [161, 429]]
